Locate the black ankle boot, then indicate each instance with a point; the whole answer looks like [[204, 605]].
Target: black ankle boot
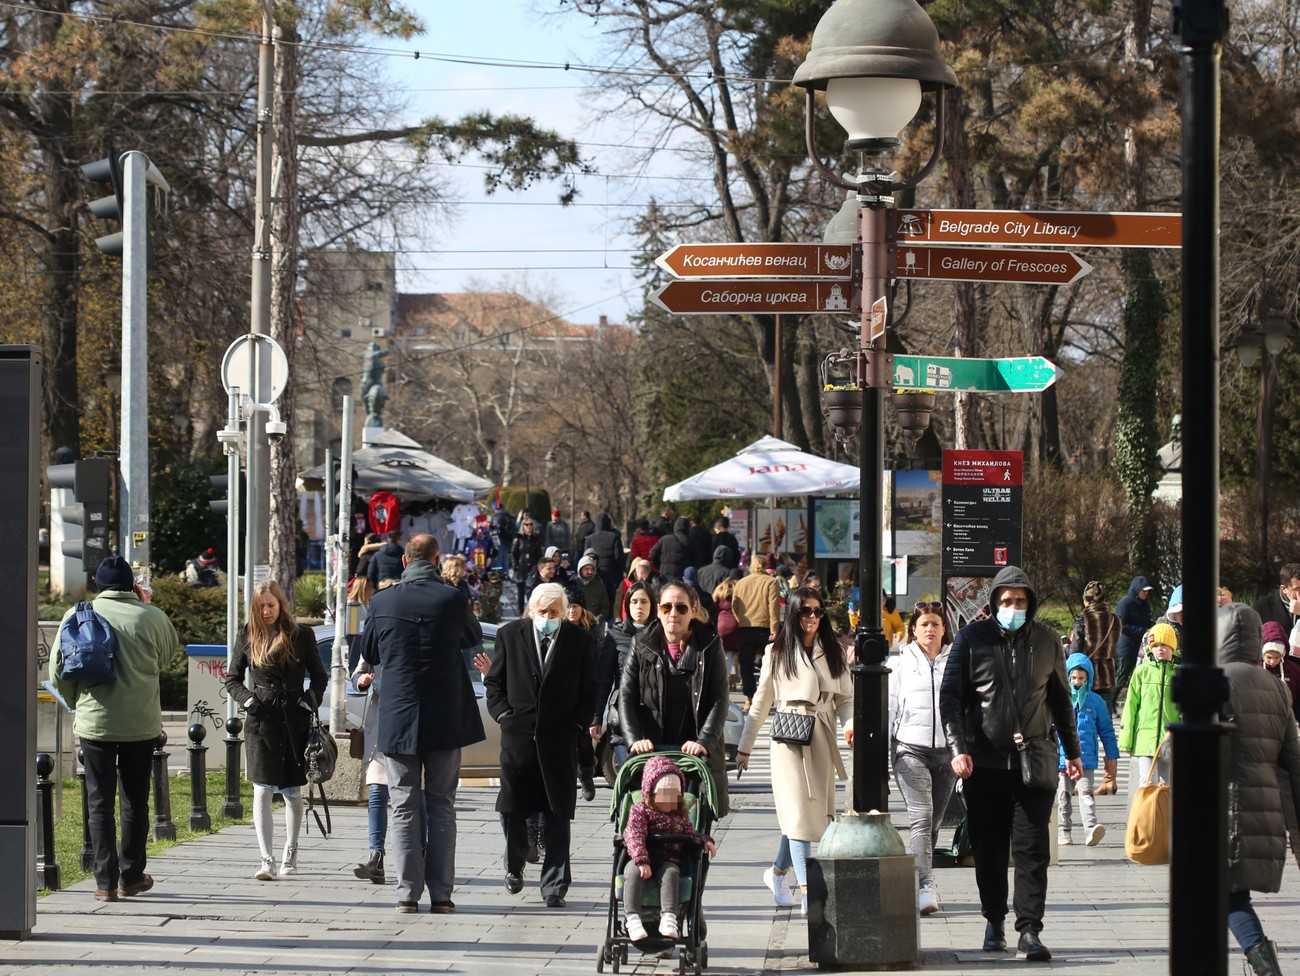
[[588, 780], [1263, 959], [372, 868], [995, 938]]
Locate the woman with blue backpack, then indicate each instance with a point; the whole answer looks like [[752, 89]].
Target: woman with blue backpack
[[272, 658]]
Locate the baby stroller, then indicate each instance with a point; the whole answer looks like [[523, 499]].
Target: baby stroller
[[701, 802]]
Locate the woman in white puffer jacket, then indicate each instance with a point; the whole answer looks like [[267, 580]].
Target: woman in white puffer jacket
[[922, 763]]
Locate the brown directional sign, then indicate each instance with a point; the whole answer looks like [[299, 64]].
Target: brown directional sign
[[758, 261], [989, 264], [1066, 228], [726, 297]]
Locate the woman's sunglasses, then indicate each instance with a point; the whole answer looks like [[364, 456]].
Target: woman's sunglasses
[[681, 608], [932, 607], [817, 612]]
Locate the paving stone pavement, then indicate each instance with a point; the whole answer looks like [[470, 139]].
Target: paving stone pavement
[[207, 915]]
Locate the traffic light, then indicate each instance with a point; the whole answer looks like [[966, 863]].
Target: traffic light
[[90, 480], [220, 494], [108, 170]]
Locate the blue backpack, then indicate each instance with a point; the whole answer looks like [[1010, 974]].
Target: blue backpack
[[87, 646]]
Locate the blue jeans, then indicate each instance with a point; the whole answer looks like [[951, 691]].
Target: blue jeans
[[793, 853], [1243, 922], [377, 810]]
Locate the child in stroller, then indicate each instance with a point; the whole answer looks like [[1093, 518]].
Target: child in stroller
[[663, 837], [661, 811]]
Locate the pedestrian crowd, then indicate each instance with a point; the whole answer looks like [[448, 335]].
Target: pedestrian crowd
[[999, 721]]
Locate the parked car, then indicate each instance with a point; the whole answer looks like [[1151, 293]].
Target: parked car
[[483, 759]]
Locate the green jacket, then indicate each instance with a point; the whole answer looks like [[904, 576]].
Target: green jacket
[[1148, 711], [128, 709]]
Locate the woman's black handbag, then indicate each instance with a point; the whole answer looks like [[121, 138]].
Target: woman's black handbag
[[320, 757], [792, 728]]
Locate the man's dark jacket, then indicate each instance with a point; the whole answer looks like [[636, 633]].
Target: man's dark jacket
[[416, 631], [980, 714], [672, 553], [541, 713], [725, 538], [701, 546], [608, 544], [385, 564], [712, 575], [1134, 617], [1273, 607]]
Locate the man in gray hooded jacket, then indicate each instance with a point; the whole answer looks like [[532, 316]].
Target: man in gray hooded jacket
[[1006, 679]]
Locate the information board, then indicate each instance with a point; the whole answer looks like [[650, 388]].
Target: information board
[[981, 511]]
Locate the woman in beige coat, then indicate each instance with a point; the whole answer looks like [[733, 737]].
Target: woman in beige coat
[[804, 671]]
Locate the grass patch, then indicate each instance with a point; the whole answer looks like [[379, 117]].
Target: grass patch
[[68, 828]]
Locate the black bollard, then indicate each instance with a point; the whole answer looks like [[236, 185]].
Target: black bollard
[[163, 828], [87, 849], [199, 817], [234, 806], [46, 864]]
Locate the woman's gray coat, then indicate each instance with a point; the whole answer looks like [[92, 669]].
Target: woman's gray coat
[[1264, 736]]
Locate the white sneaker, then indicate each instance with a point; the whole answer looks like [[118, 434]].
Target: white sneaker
[[668, 925], [289, 864], [1095, 833], [267, 871], [928, 900], [635, 928], [781, 893], [1063, 839]]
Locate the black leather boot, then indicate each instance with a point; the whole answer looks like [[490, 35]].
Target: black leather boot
[[372, 868], [995, 937], [588, 780], [1263, 959]]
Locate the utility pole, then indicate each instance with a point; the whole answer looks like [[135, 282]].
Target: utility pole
[[134, 447], [259, 453]]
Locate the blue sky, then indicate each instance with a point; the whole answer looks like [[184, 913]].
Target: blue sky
[[574, 256]]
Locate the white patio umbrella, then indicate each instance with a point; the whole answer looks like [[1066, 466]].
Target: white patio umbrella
[[767, 468]]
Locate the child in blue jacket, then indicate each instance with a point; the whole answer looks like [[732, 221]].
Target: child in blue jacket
[[1092, 719]]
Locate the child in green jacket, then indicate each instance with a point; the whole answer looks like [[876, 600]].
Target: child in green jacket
[[1150, 707]]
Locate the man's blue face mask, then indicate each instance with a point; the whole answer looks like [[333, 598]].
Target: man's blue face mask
[[1011, 619]]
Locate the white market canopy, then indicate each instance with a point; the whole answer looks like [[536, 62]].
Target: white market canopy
[[391, 461], [769, 467]]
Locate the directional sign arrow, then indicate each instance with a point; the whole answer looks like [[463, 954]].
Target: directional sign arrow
[[758, 261], [990, 264], [725, 297], [1029, 374], [1064, 228]]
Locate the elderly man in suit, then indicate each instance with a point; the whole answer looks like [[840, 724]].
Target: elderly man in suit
[[539, 691]]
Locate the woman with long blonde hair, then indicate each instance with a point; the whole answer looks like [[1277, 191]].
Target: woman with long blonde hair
[[272, 657]]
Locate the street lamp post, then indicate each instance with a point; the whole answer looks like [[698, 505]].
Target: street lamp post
[[874, 59], [550, 461], [1262, 343]]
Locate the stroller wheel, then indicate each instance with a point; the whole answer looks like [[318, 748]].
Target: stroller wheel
[[704, 957], [600, 959]]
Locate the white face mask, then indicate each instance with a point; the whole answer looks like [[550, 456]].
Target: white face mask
[[1011, 619]]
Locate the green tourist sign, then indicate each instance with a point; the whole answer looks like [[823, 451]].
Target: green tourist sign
[[1027, 374]]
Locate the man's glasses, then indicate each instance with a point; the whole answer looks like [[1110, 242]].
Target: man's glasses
[[932, 607], [817, 612], [681, 608]]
